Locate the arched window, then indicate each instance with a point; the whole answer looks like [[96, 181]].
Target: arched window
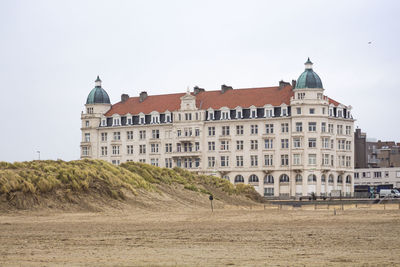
[[340, 179], [269, 179], [323, 179], [299, 178], [348, 179], [253, 178], [239, 179], [330, 180], [312, 178], [226, 177], [284, 178]]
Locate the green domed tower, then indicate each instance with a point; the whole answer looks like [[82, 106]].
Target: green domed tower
[[97, 104], [309, 79], [98, 95]]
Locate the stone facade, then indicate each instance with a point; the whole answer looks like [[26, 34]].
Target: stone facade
[[294, 142]]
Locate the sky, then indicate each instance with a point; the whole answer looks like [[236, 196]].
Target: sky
[[52, 51]]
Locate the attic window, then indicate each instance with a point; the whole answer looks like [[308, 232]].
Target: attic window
[[210, 115], [142, 119], [340, 113], [104, 122], [116, 122], [269, 112], [155, 118], [167, 117], [129, 121], [225, 115], [284, 111]]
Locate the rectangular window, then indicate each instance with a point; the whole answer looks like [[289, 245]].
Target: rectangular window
[[297, 142], [117, 136], [196, 162], [115, 161], [104, 151], [225, 130], [211, 146], [268, 192], [298, 110], [154, 162], [312, 142], [341, 144], [142, 135], [239, 129], [284, 143], [188, 116], [103, 137], [188, 131], [268, 143], [296, 159], [284, 160], [239, 161], [196, 146], [168, 148], [330, 128], [312, 159], [187, 147], [268, 160], [187, 163], [197, 131], [348, 130], [348, 145], [178, 147], [115, 150], [312, 111], [253, 144], [269, 128], [299, 127], [129, 135], [325, 159], [211, 131], [168, 163], [340, 129], [253, 129], [142, 149], [325, 142], [312, 126], [285, 127], [142, 160], [239, 145], [253, 161], [211, 162], [87, 137], [348, 161], [224, 145], [154, 148], [129, 149], [224, 161], [155, 134], [323, 127]]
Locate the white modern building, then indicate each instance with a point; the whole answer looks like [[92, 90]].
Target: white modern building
[[287, 140], [377, 176]]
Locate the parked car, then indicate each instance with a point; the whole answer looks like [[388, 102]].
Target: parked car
[[389, 193]]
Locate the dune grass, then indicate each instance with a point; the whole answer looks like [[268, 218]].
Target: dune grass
[[41, 177]]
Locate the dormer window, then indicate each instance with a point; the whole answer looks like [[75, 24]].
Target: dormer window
[[339, 113], [168, 117], [225, 113], [284, 111], [129, 121], [155, 118], [239, 113], [210, 115], [253, 112], [330, 111], [268, 111], [142, 119], [116, 121]]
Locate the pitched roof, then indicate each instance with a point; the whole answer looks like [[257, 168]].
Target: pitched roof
[[244, 98]]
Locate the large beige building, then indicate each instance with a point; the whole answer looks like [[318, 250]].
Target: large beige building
[[288, 140]]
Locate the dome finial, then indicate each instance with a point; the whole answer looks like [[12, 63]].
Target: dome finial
[[97, 82], [308, 64]]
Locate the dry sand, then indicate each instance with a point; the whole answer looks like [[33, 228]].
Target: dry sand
[[197, 237]]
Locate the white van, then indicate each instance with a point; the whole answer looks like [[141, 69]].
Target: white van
[[389, 193]]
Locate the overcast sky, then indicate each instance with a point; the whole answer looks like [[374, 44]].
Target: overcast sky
[[52, 51]]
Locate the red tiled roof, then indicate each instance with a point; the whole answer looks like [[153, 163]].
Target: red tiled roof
[[244, 98]]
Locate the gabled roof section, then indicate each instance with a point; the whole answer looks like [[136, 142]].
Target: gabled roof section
[[258, 97]]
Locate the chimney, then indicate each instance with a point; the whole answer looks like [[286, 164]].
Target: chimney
[[225, 88], [294, 84], [143, 96], [282, 84], [124, 97], [197, 90]]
